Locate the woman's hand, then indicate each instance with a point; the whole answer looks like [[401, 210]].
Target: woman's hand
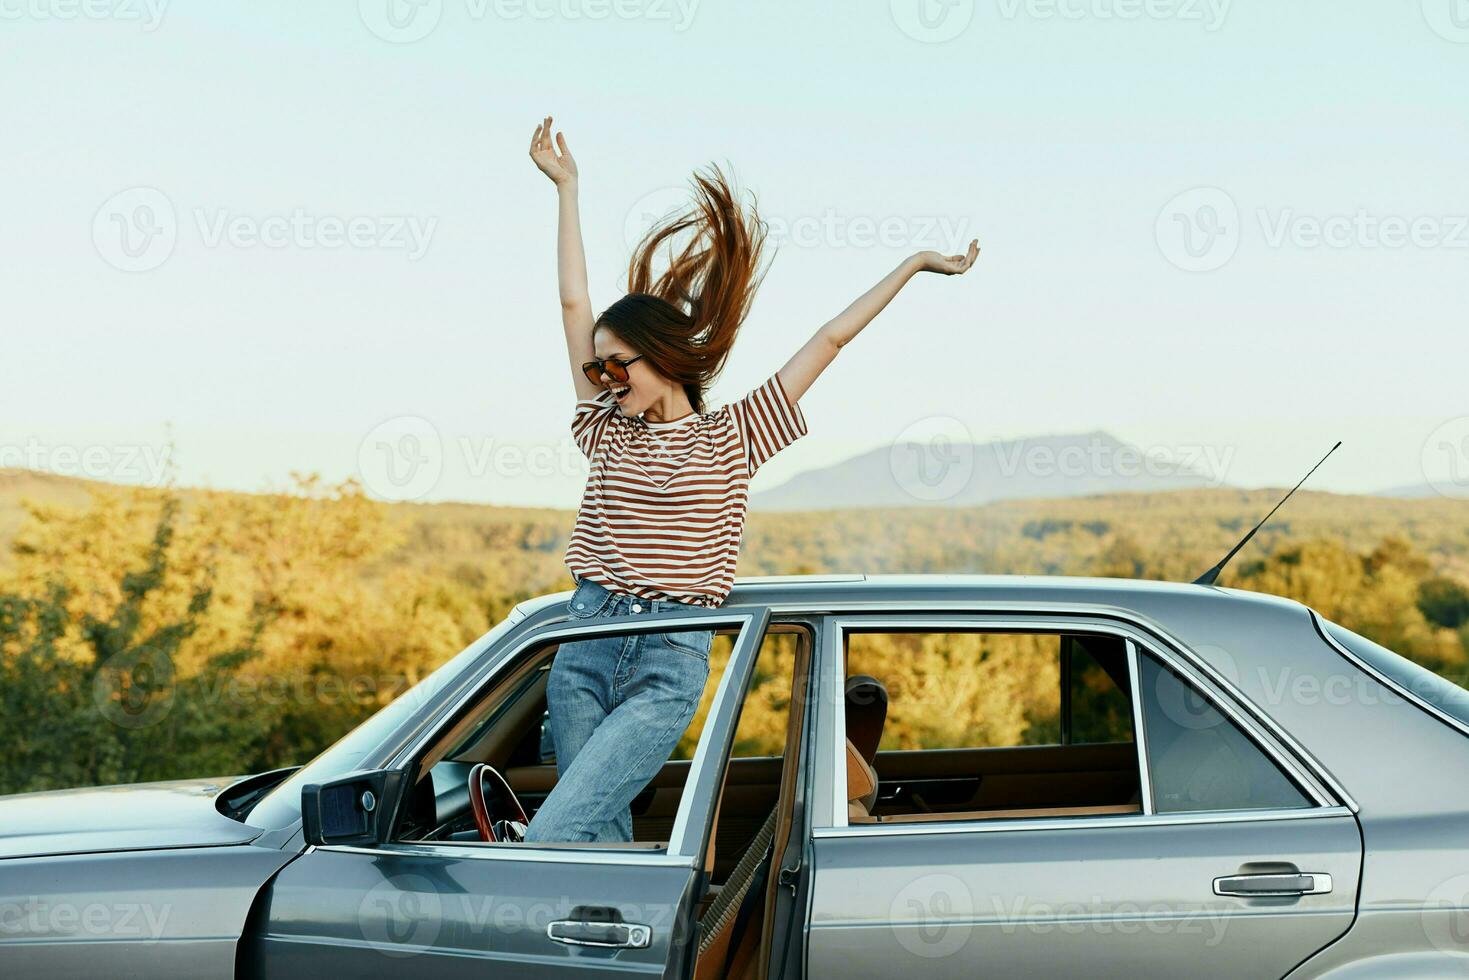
[[561, 168], [949, 265]]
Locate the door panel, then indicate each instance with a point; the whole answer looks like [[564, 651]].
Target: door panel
[[476, 910], [1132, 901], [394, 913]]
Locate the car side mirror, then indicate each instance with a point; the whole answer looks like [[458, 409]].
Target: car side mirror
[[356, 809]]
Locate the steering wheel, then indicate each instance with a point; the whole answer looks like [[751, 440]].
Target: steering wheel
[[497, 812]]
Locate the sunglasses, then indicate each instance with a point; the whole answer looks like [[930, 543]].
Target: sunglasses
[[615, 369]]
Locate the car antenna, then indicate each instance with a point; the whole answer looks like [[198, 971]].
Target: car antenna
[[1212, 574]]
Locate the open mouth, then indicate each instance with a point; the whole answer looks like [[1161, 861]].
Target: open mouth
[[620, 391]]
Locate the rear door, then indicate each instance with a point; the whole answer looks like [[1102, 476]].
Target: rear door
[[473, 910], [1240, 863]]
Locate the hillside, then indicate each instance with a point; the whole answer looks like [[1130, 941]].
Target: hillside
[[931, 469], [1174, 534]]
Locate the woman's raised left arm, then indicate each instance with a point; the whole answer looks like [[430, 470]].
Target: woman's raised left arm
[[806, 365]]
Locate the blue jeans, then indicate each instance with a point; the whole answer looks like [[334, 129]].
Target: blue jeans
[[619, 705]]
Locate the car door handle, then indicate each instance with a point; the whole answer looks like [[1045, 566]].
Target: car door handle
[[584, 932], [1267, 885]]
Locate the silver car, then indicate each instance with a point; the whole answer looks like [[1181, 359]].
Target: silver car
[[1202, 782]]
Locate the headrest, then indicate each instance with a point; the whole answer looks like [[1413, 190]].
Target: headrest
[[867, 712]]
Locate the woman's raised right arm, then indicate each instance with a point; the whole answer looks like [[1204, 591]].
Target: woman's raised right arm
[[571, 260]]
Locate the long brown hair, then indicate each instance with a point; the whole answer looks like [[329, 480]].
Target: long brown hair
[[684, 321]]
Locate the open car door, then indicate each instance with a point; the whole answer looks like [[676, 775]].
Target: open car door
[[365, 905]]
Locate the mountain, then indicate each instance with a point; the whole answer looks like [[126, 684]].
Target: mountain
[[933, 471]]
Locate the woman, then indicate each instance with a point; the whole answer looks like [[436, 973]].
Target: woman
[[661, 518]]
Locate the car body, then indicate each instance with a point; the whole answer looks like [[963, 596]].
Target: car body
[[1352, 861]]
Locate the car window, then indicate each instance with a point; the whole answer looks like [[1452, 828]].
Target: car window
[[975, 689], [1197, 758], [976, 724], [1413, 678]]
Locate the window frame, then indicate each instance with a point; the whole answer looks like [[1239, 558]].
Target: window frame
[[829, 810]]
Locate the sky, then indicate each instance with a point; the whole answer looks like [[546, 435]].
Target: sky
[[281, 237]]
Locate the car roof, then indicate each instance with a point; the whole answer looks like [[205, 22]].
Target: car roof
[[928, 587]]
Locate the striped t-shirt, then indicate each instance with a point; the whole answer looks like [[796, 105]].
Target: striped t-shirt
[[664, 505]]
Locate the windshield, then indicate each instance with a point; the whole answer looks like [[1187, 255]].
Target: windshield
[[1435, 689], [282, 806]]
